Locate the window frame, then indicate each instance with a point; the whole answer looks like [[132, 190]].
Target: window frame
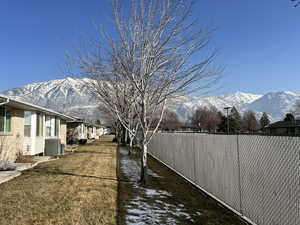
[[52, 125], [57, 127], [5, 120], [39, 125], [48, 125], [27, 124]]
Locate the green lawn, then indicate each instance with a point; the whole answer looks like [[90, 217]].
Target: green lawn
[[78, 189]]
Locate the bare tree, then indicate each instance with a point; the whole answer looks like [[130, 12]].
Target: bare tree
[[249, 122], [169, 122], [154, 58], [4, 153], [206, 118]]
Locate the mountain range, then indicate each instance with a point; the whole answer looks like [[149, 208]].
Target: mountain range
[[70, 96]]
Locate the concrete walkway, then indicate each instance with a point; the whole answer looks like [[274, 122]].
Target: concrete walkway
[[8, 175]]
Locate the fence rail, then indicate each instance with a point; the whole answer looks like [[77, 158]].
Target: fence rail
[[256, 176]]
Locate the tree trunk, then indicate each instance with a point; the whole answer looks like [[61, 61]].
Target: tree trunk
[[143, 179], [123, 136], [118, 135], [130, 145]]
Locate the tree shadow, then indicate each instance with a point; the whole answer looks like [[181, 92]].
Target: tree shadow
[[64, 173], [92, 152]]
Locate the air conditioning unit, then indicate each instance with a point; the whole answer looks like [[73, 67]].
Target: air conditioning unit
[[53, 147]]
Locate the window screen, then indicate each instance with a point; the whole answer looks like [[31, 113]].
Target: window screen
[[57, 125], [27, 123], [39, 125], [48, 126]]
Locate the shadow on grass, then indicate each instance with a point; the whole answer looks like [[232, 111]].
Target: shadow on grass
[[91, 152], [49, 171]]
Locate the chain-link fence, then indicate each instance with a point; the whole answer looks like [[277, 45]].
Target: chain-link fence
[[257, 176]]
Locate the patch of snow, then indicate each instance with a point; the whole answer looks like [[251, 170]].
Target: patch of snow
[[142, 211]]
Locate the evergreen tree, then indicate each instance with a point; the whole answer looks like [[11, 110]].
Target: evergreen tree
[[289, 117], [223, 122], [235, 121], [264, 120]]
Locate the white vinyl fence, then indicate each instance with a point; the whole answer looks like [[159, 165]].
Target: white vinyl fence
[[256, 176]]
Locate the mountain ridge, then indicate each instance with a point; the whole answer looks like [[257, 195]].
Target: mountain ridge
[[71, 96]]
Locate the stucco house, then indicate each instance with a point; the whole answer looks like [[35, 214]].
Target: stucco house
[[77, 131], [25, 128]]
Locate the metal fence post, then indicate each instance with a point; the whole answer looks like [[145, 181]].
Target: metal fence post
[[194, 149], [239, 172]]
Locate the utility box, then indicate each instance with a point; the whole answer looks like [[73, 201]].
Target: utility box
[[53, 147], [62, 149]]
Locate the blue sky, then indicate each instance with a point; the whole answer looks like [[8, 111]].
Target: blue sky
[[258, 40]]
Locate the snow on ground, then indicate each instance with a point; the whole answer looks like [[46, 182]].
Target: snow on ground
[[141, 210]]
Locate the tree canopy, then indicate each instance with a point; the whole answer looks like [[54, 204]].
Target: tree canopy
[[264, 120]]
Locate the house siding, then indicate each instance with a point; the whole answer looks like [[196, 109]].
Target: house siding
[[14, 140], [63, 132]]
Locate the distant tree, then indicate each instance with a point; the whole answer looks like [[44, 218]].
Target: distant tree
[[249, 122], [206, 118], [235, 121], [223, 122], [111, 119], [264, 120], [289, 117], [170, 121]]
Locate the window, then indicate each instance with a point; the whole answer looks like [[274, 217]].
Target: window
[[39, 125], [48, 126], [5, 119], [52, 126], [27, 123], [57, 123]]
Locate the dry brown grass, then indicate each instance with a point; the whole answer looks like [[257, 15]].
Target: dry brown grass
[[78, 189]]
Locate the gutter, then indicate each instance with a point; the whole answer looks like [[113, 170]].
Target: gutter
[[38, 108], [3, 103]]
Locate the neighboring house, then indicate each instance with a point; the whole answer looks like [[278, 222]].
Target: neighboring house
[[92, 131], [80, 132], [284, 128], [77, 131], [25, 128], [101, 130]]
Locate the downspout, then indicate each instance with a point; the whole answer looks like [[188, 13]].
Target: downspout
[[3, 103]]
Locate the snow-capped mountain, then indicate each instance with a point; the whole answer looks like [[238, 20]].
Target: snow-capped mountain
[[71, 96], [276, 104]]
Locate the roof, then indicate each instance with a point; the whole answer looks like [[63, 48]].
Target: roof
[[88, 124], [284, 124], [28, 106]]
